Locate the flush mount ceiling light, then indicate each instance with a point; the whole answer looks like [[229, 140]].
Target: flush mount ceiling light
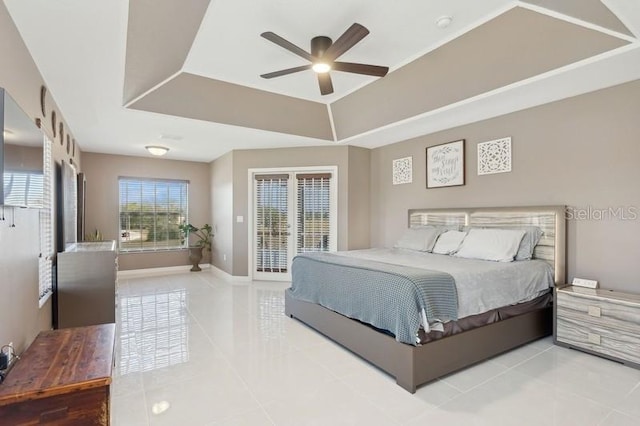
[[157, 150]]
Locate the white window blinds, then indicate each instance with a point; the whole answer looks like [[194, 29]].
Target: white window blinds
[[150, 212], [23, 188], [313, 212], [272, 222], [46, 226]]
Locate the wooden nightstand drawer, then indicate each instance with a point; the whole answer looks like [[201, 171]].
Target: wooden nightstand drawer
[[603, 322], [610, 313], [601, 339]]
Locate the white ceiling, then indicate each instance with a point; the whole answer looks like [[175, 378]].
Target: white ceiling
[[79, 47], [229, 47]]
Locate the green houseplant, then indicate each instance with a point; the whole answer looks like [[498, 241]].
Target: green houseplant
[[94, 236], [202, 237]]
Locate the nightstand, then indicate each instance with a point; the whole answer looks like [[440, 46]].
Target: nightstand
[[601, 322]]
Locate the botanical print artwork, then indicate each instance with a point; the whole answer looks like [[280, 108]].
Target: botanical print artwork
[[445, 164], [494, 156], [403, 170]]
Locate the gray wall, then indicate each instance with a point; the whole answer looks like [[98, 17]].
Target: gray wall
[[353, 164], [359, 187], [19, 248], [222, 212], [102, 172], [20, 317], [582, 152]]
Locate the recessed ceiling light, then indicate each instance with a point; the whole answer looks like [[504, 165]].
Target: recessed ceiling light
[[157, 150], [444, 21]]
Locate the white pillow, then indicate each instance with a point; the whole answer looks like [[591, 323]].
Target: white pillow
[[500, 245], [449, 242], [421, 239]]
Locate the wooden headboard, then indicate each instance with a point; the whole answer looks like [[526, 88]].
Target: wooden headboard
[[551, 219]]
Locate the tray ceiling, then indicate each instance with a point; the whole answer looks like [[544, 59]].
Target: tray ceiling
[[148, 68]]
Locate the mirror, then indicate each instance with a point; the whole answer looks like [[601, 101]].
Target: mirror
[[21, 157]]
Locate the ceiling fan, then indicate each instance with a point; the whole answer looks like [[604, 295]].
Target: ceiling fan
[[324, 53]]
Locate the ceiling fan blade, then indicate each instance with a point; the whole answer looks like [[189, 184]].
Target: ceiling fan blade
[[346, 41], [275, 38], [374, 70], [326, 86], [287, 71]]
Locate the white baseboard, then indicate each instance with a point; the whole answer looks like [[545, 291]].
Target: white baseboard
[[227, 276], [152, 272]]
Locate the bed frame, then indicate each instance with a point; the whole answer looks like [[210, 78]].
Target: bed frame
[[415, 365]]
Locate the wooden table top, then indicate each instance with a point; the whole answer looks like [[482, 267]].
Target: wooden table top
[[61, 361]]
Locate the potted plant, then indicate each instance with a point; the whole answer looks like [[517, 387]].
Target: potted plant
[[202, 237]]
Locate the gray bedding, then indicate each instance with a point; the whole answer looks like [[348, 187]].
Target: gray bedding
[[480, 286], [389, 297]]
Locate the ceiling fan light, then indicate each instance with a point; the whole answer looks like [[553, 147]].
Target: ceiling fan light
[[157, 150], [321, 67]]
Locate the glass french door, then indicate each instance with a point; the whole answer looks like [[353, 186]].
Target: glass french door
[[294, 212], [272, 226]]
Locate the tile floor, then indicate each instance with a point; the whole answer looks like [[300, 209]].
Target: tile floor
[[193, 349]]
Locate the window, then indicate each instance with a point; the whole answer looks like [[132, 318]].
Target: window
[[313, 212], [150, 212], [293, 211], [46, 226], [24, 188]]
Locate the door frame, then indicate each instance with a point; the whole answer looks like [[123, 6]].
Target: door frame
[[333, 222]]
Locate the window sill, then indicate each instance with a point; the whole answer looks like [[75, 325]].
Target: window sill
[[125, 251]]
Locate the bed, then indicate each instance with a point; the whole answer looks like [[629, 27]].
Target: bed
[[418, 363]]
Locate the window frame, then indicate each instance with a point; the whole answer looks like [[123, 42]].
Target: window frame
[[251, 203], [319, 185], [183, 206]]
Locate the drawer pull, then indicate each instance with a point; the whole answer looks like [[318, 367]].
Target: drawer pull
[[594, 338], [594, 311], [56, 414]]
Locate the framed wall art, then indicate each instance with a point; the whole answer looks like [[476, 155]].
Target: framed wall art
[[402, 170], [445, 164], [494, 156]]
